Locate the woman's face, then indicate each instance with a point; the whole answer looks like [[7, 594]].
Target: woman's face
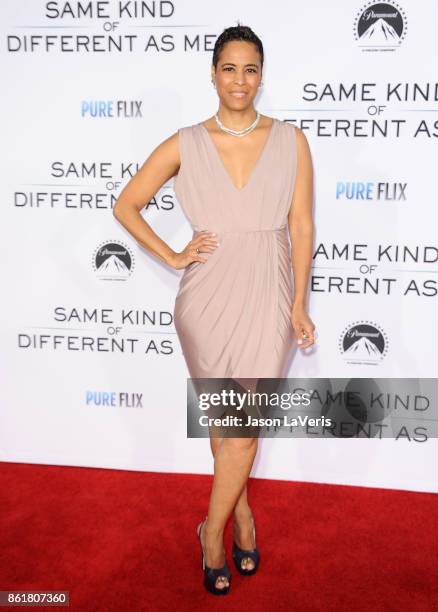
[[238, 74]]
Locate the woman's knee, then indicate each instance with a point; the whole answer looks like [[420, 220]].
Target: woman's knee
[[241, 445]]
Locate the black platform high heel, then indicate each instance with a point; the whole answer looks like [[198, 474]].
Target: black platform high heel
[[211, 574], [239, 554]]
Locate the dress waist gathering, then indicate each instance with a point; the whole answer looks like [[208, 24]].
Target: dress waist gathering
[[281, 229]]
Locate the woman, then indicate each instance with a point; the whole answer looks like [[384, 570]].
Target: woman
[[243, 180]]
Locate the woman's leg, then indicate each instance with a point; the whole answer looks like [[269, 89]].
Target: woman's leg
[[242, 516], [232, 465], [242, 511], [233, 460]]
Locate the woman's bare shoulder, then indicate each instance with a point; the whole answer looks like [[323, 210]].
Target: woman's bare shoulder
[[302, 141], [300, 136], [169, 147], [165, 156]]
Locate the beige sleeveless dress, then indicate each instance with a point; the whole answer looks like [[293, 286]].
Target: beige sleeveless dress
[[232, 314]]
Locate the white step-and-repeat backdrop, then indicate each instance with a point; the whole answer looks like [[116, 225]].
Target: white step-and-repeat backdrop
[[92, 371]]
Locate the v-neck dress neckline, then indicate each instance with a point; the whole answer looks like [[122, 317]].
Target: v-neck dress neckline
[[254, 168]]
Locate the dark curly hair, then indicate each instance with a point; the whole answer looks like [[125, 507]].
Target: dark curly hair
[[239, 32]]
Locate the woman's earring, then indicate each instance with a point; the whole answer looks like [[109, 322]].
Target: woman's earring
[[213, 83]]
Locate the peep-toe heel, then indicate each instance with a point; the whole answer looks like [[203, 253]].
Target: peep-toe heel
[[239, 554], [211, 574]]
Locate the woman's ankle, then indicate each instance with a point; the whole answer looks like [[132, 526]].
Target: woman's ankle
[[242, 515], [213, 531]]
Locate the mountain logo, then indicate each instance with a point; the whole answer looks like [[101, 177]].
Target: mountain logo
[[380, 26], [113, 261], [363, 342]]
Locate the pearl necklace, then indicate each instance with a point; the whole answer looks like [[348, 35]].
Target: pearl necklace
[[238, 132]]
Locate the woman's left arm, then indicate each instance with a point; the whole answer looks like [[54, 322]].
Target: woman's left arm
[[301, 230]]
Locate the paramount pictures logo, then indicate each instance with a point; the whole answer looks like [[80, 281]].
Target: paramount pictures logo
[[113, 260], [363, 342], [380, 26]]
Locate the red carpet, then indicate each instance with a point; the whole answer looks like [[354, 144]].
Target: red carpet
[[121, 540]]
